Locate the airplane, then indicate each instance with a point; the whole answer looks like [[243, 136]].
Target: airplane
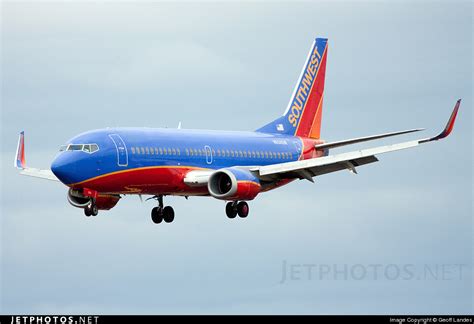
[[101, 166]]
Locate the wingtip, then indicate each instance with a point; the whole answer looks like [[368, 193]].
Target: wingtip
[[449, 125], [19, 162]]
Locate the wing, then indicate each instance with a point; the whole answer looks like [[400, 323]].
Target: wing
[[20, 163], [307, 169]]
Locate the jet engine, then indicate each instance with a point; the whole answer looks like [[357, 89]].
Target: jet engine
[[233, 184], [103, 202]]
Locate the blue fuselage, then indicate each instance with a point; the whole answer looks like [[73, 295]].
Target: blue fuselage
[[122, 149]]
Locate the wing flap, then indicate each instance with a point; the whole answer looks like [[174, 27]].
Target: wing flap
[[331, 163]]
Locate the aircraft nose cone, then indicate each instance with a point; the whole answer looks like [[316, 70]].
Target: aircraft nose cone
[[62, 169]]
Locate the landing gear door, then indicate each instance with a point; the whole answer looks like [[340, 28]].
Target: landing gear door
[[122, 154]]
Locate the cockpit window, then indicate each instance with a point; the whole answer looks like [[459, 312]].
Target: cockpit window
[[88, 148], [75, 147]]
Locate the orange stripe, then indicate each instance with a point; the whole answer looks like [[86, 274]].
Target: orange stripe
[[249, 181], [316, 118]]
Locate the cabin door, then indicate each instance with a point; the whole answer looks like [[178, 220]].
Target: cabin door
[[208, 150], [122, 154]]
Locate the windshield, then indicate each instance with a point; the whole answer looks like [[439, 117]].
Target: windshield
[[88, 148]]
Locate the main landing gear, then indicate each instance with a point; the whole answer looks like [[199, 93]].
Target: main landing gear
[[91, 209], [161, 213], [235, 208]]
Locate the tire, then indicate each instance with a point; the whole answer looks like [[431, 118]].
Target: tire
[[243, 209], [230, 210], [156, 216], [87, 211], [168, 214], [94, 210]]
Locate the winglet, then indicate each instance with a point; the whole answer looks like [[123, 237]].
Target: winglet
[[19, 162], [449, 126]]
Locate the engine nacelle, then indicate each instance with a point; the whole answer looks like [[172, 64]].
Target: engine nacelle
[[103, 202], [233, 184]]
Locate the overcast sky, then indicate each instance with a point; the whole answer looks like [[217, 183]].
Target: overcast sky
[[68, 68]]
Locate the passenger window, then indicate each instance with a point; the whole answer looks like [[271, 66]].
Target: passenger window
[[178, 151], [152, 151], [147, 150], [133, 150], [174, 151], [187, 151], [242, 154]]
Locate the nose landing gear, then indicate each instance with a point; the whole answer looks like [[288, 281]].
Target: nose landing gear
[[161, 213]]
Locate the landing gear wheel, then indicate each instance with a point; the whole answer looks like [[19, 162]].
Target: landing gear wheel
[[94, 210], [243, 209], [87, 211], [168, 214], [231, 210], [156, 215]]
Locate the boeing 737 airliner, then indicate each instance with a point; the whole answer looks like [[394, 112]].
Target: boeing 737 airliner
[[101, 166]]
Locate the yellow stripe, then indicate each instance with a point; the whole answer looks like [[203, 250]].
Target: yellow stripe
[[307, 99], [137, 169], [248, 181]]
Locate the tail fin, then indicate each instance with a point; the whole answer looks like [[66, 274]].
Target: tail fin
[[303, 114]]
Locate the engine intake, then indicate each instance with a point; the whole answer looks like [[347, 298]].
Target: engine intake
[[233, 184], [77, 199], [103, 202]]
